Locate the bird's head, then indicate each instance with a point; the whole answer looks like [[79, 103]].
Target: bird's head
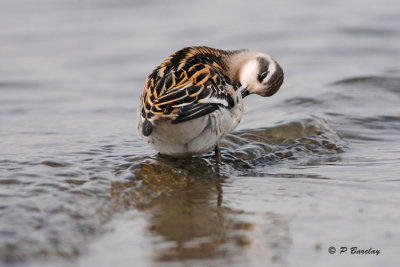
[[261, 75]]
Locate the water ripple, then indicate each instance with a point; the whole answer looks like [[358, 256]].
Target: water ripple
[[386, 82]]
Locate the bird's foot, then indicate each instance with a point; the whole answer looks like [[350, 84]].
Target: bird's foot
[[218, 154]]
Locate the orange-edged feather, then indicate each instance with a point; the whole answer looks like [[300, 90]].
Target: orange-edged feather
[[188, 84]]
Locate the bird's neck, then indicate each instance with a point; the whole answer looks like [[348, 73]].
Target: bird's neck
[[235, 62]]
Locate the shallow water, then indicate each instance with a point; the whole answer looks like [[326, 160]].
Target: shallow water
[[316, 165]]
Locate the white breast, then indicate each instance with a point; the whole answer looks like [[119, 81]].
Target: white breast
[[196, 136]]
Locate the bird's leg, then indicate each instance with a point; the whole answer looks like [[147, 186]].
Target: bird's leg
[[217, 153]]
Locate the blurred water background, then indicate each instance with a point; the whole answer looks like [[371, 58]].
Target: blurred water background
[[316, 165]]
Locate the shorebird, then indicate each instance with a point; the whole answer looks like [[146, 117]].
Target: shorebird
[[195, 97]]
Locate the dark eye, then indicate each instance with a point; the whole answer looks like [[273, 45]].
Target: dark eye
[[262, 76]]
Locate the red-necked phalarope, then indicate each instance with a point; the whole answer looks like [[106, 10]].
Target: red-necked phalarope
[[194, 98]]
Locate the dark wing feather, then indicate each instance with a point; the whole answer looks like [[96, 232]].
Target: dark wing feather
[[194, 111], [188, 91]]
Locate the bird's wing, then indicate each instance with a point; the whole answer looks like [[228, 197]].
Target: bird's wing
[[189, 91]]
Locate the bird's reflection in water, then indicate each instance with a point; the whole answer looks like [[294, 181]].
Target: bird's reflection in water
[[188, 216], [184, 198]]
